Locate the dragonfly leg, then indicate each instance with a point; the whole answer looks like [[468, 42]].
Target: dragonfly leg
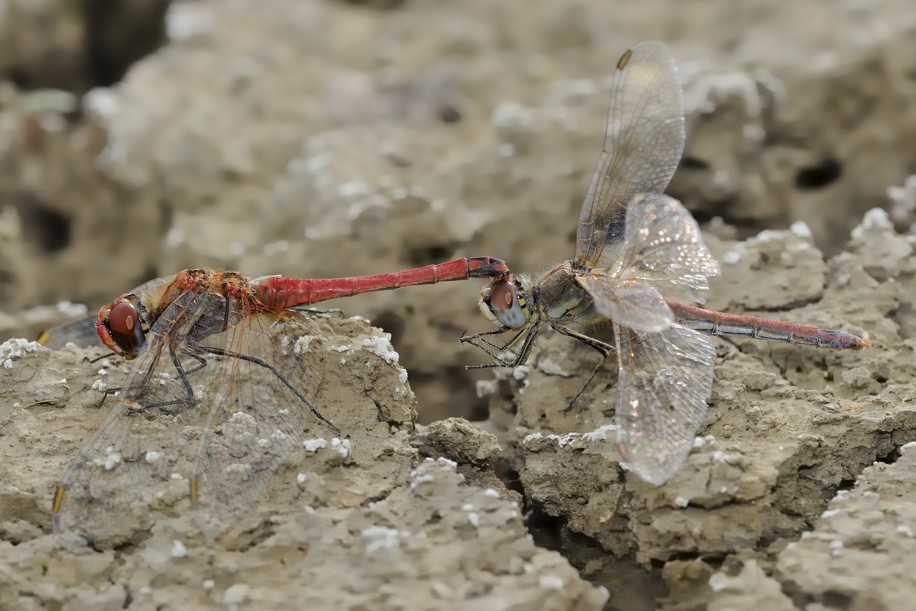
[[478, 341], [478, 338], [201, 363], [526, 335], [108, 392], [96, 359], [183, 373], [262, 363], [603, 349]]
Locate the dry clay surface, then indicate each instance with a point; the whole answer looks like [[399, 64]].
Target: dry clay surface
[[788, 430], [801, 476], [324, 139], [362, 522]]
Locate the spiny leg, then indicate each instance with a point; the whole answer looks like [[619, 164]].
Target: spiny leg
[[262, 363], [201, 363], [603, 349], [182, 373], [527, 334], [185, 382], [488, 347], [478, 338]]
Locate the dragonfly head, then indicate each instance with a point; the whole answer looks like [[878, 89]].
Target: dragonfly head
[[121, 328], [504, 302]]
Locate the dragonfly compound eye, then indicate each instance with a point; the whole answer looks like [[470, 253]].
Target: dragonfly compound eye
[[125, 328], [501, 306]]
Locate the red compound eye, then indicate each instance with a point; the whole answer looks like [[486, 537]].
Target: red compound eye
[[123, 318], [125, 328]]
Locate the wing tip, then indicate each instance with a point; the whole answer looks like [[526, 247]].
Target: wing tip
[[624, 59]]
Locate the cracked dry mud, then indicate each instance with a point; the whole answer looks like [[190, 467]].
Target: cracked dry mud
[[786, 426], [802, 475], [371, 523], [324, 139]]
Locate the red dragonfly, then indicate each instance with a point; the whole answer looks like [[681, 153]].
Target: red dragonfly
[[639, 256], [174, 326]]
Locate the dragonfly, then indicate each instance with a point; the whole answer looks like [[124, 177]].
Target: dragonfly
[[236, 430], [640, 261]]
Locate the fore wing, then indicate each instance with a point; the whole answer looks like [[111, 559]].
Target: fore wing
[[104, 483], [664, 382], [250, 409], [80, 332], [662, 257], [643, 144]]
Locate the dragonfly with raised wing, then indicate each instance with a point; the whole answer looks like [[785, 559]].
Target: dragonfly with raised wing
[[640, 260]]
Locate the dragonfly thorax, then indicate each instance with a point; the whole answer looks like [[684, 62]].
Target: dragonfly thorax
[[560, 297]]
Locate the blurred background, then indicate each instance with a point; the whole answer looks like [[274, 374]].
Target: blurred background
[[323, 138]]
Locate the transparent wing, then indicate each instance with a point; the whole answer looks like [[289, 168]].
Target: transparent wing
[[643, 144], [250, 410], [664, 381], [80, 332], [102, 483], [662, 257], [630, 303], [664, 248], [260, 418]]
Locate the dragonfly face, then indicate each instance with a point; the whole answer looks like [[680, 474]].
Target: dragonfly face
[[121, 328], [505, 303]]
